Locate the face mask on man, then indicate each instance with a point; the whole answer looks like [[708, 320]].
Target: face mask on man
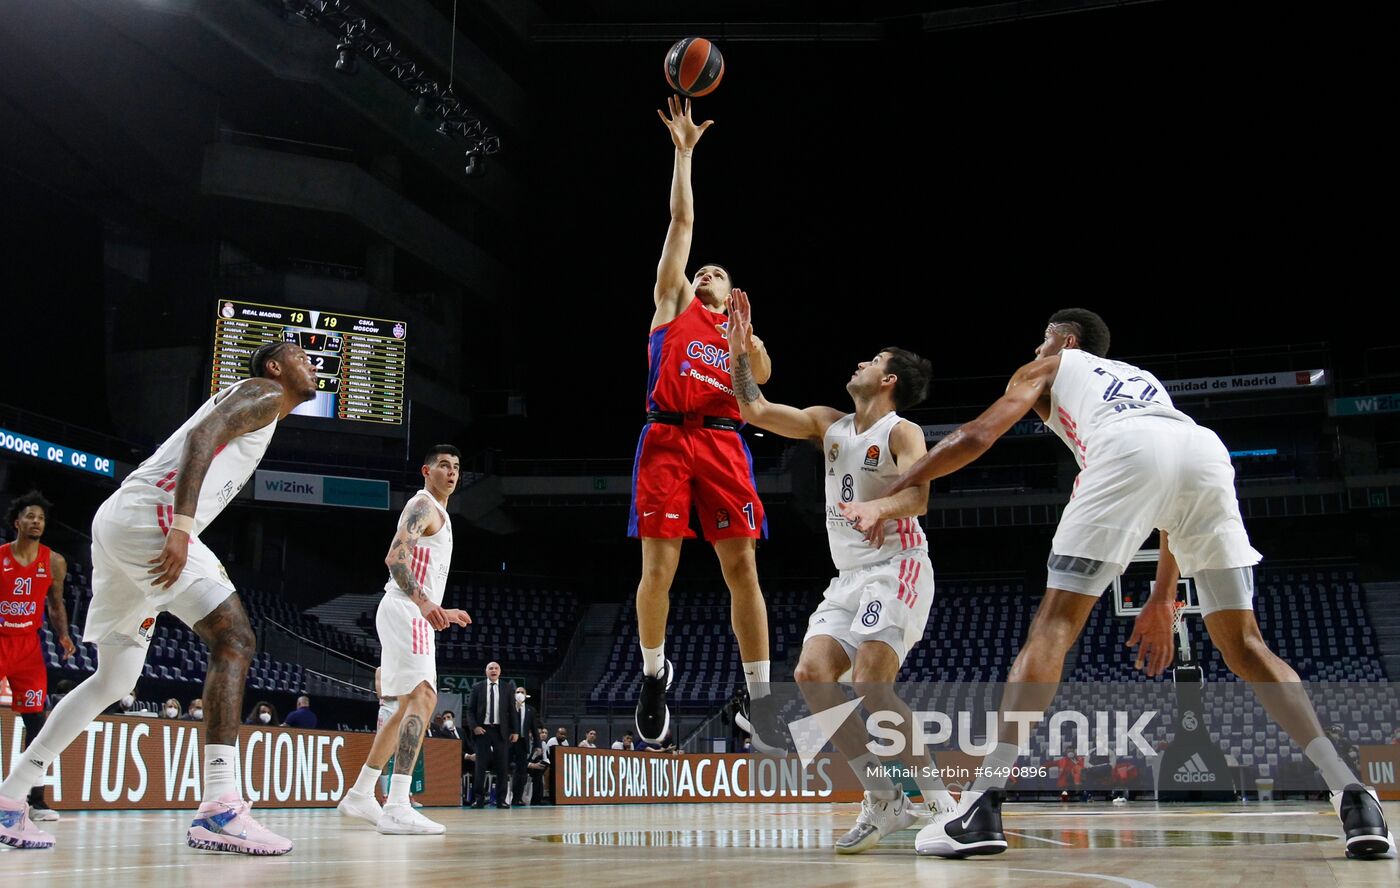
[[264, 717], [172, 712], [447, 723], [197, 713], [128, 701], [520, 698]]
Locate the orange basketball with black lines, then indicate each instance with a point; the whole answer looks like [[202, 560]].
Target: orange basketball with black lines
[[694, 67]]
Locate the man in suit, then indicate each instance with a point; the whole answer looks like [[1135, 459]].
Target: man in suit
[[495, 724], [520, 750]]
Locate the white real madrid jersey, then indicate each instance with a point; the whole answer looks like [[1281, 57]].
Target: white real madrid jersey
[[232, 466], [859, 467], [1092, 392], [431, 556]]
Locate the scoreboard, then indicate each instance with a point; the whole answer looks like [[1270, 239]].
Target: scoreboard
[[360, 362]]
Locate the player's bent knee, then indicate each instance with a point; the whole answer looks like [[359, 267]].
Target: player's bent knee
[[809, 673], [235, 643]]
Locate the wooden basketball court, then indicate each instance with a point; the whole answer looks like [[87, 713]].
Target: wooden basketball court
[[1284, 845]]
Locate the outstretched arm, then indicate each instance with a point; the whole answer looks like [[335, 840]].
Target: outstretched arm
[[971, 440], [780, 419], [673, 289]]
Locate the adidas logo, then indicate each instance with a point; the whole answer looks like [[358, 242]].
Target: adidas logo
[[1194, 770], [37, 763], [218, 761]]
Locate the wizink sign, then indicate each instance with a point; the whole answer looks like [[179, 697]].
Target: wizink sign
[[320, 490]]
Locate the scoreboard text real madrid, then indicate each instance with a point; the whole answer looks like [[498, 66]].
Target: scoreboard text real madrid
[[360, 362]]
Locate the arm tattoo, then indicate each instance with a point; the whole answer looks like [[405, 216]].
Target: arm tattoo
[[410, 736], [250, 407], [744, 386], [414, 522]]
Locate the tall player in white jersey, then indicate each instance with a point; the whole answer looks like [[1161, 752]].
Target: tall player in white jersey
[[1144, 465], [409, 613], [147, 558], [876, 608]]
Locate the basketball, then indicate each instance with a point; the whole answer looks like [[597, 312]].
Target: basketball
[[694, 67]]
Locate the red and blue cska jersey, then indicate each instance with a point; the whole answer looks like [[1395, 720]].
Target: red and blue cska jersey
[[689, 365], [23, 590]]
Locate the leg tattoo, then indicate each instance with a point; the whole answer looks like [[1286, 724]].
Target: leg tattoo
[[231, 646], [409, 738]]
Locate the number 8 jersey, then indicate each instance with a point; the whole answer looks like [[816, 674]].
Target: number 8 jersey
[[1091, 392], [859, 467]]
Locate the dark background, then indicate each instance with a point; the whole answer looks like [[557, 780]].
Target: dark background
[[1206, 176]]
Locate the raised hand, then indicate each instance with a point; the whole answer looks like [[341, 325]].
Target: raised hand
[[684, 130], [739, 330]]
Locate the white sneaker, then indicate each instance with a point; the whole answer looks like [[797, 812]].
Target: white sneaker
[[878, 818], [940, 802], [43, 815], [401, 820], [361, 805]]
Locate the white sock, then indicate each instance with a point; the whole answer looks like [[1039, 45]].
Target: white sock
[[870, 771], [654, 659], [364, 784], [756, 677], [220, 764], [997, 767], [29, 773], [398, 789], [1335, 772]]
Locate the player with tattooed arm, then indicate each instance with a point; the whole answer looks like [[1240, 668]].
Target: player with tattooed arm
[[409, 613]]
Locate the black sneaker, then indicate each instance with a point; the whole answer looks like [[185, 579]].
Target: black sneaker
[[653, 715], [760, 721], [973, 829], [1367, 836]]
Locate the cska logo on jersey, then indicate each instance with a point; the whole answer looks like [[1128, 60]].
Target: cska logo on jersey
[[721, 519], [872, 455], [145, 630]]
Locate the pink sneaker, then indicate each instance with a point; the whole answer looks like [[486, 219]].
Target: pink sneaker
[[17, 830], [226, 824]]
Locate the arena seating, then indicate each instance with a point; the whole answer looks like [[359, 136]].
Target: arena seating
[[521, 622]]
